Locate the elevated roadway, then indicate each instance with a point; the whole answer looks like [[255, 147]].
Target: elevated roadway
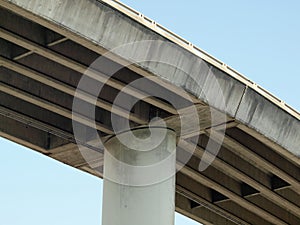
[[47, 46]]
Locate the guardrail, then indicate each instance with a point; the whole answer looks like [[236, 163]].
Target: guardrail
[[151, 24]]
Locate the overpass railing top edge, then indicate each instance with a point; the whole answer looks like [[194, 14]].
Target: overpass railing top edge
[[151, 24]]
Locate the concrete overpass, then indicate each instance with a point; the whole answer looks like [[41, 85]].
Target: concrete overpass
[[46, 46]]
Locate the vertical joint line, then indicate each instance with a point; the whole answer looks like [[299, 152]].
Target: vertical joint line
[[240, 102]]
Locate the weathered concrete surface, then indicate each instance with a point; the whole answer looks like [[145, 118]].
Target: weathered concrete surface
[[250, 170], [109, 28], [139, 180], [268, 119]]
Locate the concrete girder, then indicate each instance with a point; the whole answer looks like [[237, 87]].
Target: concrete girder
[[260, 175], [246, 99], [67, 89], [54, 22], [207, 204], [204, 111], [51, 107], [264, 151], [258, 161], [50, 44], [271, 144], [19, 96], [234, 197], [237, 174], [38, 49], [79, 165], [54, 154]]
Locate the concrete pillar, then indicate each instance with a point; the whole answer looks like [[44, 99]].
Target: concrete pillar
[[139, 178]]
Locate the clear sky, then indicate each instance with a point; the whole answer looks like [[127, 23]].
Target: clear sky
[[258, 38]]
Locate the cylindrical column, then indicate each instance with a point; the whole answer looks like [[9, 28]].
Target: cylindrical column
[[139, 178]]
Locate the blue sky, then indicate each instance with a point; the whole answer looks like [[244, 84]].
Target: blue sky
[[258, 38]]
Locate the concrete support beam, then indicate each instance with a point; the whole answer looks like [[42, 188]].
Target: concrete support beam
[[61, 20], [67, 89], [241, 177], [234, 197], [134, 192], [50, 106], [258, 161], [271, 144], [210, 206], [237, 174], [69, 63]]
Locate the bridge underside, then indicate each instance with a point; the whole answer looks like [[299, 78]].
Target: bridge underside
[[253, 180]]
